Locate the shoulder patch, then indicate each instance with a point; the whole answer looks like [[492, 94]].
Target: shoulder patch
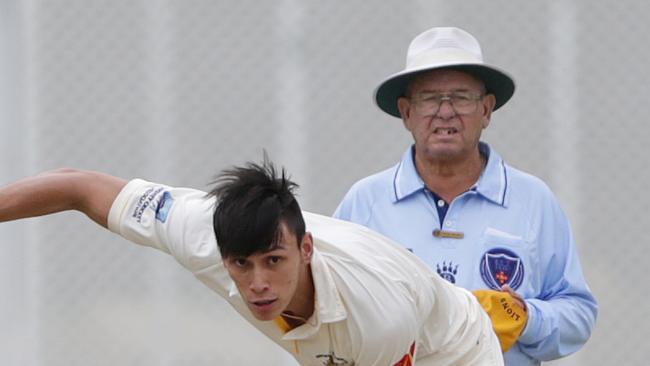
[[163, 207]]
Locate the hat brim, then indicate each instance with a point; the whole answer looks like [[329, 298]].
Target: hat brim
[[496, 82]]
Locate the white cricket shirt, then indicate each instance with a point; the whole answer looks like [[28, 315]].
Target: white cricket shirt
[[376, 303]]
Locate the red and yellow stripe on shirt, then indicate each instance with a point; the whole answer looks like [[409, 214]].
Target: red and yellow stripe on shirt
[[407, 360], [282, 324]]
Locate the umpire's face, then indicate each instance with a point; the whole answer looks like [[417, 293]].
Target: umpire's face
[[446, 112], [276, 281]]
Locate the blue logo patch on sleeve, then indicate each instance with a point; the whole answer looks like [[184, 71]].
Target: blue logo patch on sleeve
[[163, 207], [500, 266]]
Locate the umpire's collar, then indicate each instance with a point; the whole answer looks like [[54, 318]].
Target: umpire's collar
[[492, 184]]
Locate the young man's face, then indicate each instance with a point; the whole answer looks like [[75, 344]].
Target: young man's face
[[275, 281]]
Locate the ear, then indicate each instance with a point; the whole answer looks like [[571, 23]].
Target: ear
[[404, 106], [307, 247], [489, 101]]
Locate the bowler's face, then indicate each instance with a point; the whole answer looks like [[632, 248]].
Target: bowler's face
[[269, 281], [446, 135]]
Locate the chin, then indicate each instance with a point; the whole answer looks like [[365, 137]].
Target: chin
[[264, 315], [443, 154]]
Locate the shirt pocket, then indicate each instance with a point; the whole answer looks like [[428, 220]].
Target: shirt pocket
[[505, 259]]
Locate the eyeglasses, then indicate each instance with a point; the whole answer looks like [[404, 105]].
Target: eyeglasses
[[428, 104]]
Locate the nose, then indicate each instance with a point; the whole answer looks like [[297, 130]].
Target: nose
[[259, 282], [446, 109]]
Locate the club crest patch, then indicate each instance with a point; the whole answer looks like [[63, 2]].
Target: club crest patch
[[447, 271], [500, 266]]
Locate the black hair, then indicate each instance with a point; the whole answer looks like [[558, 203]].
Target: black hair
[[252, 201]]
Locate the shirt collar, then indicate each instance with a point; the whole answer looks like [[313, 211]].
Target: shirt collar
[[492, 184], [407, 180], [328, 307]]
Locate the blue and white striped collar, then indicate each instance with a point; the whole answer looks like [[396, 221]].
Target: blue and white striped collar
[[493, 183]]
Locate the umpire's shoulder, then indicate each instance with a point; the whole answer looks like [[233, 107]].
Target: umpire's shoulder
[[522, 184]]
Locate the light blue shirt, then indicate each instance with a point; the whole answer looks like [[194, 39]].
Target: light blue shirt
[[513, 232]]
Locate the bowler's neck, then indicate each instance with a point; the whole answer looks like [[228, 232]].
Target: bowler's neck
[[301, 307]]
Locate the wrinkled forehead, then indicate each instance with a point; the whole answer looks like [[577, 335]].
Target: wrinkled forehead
[[445, 80]]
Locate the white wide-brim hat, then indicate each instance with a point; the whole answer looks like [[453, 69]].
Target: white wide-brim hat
[[448, 48]]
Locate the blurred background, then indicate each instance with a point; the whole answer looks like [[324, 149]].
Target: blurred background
[[173, 91]]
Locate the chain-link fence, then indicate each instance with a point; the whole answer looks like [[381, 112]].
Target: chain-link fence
[[173, 91]]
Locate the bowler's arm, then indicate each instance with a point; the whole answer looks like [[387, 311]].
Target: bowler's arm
[[89, 192]]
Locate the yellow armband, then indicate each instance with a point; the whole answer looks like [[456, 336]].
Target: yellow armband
[[508, 318]]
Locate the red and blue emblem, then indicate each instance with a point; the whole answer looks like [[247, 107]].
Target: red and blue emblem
[[500, 266]]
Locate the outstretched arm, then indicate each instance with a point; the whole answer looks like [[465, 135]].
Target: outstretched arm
[[90, 192]]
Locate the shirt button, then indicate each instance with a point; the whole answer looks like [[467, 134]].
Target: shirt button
[[441, 203], [449, 223]]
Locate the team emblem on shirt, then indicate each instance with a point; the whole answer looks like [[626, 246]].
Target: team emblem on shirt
[[447, 271], [500, 266], [330, 359]]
